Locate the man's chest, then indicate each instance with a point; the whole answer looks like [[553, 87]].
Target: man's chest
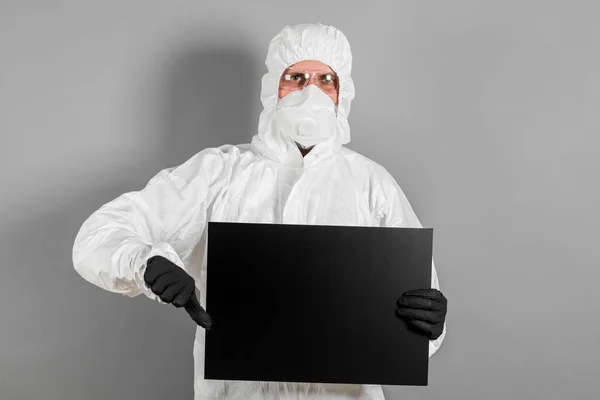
[[329, 196]]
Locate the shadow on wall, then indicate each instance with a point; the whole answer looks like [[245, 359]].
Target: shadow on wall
[[210, 99], [71, 340]]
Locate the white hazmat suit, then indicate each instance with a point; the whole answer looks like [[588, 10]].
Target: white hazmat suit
[[265, 181]]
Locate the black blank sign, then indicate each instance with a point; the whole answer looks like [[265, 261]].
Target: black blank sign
[[304, 303]]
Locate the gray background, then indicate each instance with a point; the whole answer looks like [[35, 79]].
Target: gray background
[[486, 112]]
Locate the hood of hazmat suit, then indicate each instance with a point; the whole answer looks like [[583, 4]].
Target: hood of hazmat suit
[[265, 181], [294, 44]]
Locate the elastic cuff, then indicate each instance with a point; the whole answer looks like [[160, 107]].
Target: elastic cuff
[[162, 249], [434, 345]]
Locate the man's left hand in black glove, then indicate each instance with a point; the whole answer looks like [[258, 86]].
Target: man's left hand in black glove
[[424, 310]]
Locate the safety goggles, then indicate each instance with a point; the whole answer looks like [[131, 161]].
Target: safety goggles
[[293, 79]]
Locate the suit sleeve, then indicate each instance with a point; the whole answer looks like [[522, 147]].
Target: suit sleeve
[[395, 211], [166, 218]]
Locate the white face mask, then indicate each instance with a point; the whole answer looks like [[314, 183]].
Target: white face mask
[[307, 116]]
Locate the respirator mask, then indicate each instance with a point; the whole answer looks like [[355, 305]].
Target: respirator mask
[[307, 116]]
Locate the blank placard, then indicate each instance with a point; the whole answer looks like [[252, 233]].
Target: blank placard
[[305, 303]]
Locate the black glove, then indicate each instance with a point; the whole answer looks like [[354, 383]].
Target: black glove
[[175, 286], [424, 310]]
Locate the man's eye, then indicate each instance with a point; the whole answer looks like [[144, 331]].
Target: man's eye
[[327, 78], [297, 77]]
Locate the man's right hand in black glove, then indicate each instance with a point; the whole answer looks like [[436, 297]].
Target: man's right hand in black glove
[[175, 286]]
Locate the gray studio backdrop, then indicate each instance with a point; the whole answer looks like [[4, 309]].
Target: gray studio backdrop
[[486, 112]]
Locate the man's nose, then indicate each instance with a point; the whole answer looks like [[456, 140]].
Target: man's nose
[[312, 80]]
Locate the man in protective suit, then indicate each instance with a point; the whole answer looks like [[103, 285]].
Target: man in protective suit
[[295, 171]]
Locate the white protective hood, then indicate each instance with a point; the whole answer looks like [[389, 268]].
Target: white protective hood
[[294, 44]]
